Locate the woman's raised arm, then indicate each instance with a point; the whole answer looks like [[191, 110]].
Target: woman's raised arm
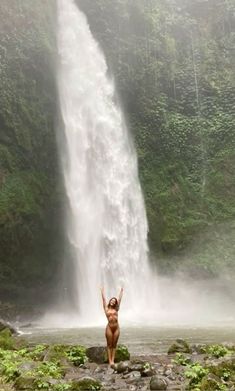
[[120, 297], [103, 299]]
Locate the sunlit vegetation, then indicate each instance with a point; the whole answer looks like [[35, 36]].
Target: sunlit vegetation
[[173, 64]]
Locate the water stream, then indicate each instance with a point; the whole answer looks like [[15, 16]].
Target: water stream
[[105, 219]]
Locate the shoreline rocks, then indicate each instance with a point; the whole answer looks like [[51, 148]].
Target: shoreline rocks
[[74, 368]]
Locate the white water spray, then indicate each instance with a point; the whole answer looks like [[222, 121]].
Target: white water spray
[[106, 220]]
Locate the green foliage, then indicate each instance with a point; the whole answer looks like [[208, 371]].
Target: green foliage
[[6, 339], [195, 373], [9, 364], [28, 161], [217, 351], [181, 359], [173, 63], [77, 355], [49, 369], [62, 387], [122, 353], [37, 352], [177, 90]]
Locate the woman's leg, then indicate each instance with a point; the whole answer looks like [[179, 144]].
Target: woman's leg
[[114, 343], [109, 338]]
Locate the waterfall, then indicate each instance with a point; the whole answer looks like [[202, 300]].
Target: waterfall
[[105, 221]]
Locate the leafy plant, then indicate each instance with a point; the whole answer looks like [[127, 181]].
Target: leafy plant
[[195, 373], [217, 351], [62, 387], [181, 359], [77, 355], [50, 369]]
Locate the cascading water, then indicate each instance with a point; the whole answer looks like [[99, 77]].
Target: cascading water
[[106, 220]]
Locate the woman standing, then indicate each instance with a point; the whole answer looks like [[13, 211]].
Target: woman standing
[[112, 329]]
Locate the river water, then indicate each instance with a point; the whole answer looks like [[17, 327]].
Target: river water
[[139, 340]]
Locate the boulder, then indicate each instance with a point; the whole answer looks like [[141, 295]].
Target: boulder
[[86, 384], [180, 346], [5, 325], [98, 354], [6, 339], [123, 367], [25, 383], [145, 368], [211, 383], [28, 366], [132, 377], [158, 383], [5, 386]]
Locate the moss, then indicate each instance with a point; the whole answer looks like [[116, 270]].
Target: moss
[[6, 339], [25, 383], [86, 384], [5, 386], [180, 346], [225, 370]]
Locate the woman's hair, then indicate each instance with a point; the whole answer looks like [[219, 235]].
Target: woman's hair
[[116, 305]]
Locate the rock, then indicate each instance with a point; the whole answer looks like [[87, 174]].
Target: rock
[[86, 384], [180, 346], [5, 325], [132, 377], [144, 367], [98, 354], [199, 348], [28, 366], [6, 339], [25, 383], [123, 367], [147, 370], [5, 386], [158, 383], [211, 383]]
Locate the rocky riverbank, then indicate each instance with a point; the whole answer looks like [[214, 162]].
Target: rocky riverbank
[[25, 367]]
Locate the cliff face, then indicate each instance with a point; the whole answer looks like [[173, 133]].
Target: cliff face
[[173, 62], [174, 67], [28, 157]]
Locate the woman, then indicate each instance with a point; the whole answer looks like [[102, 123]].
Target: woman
[[112, 330]]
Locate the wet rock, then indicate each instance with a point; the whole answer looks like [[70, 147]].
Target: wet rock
[[6, 325], [6, 339], [144, 367], [180, 346], [28, 366], [158, 383], [98, 354], [147, 370], [6, 387], [123, 367], [86, 384], [132, 377], [211, 383], [199, 348], [25, 383]]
